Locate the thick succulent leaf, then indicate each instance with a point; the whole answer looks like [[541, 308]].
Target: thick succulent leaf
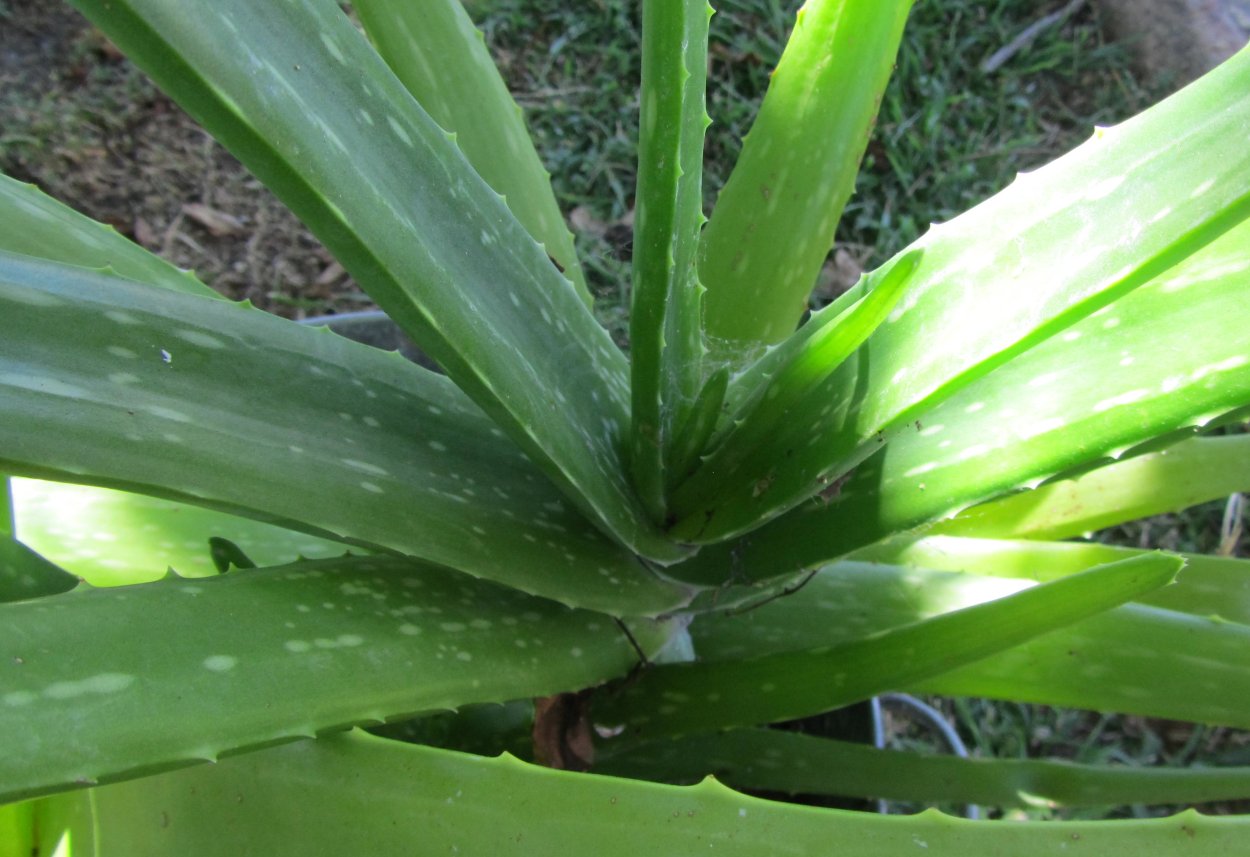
[[216, 404], [996, 281], [295, 91], [810, 359], [1135, 659], [1169, 357], [6, 507], [699, 697], [442, 59], [112, 538], [666, 339], [775, 219], [1172, 479], [34, 224], [1207, 586], [350, 792], [17, 830], [104, 684], [25, 574], [774, 760]]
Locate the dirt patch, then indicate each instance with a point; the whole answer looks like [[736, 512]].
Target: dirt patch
[[82, 123]]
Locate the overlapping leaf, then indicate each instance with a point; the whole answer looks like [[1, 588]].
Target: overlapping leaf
[[332, 795], [216, 404], [774, 683], [442, 59], [179, 671], [666, 338], [995, 282], [1171, 356], [296, 92]]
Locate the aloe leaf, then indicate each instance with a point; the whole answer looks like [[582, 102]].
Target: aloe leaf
[[1137, 199], [6, 507], [37, 225], [442, 59], [760, 420], [1172, 479], [151, 686], [1169, 357], [298, 95], [17, 830], [773, 760], [111, 538], [215, 404], [687, 698], [329, 796], [1207, 586], [775, 219], [666, 341], [25, 574], [1134, 659]]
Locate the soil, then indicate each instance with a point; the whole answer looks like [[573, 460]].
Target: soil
[[83, 124]]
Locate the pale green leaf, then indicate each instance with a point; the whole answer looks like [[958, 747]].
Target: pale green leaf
[[995, 282], [443, 60], [1168, 358], [1134, 659], [297, 94], [213, 403], [335, 795], [110, 538], [1172, 479], [666, 340], [775, 219], [106, 684], [774, 760], [1207, 586], [37, 225], [715, 694]]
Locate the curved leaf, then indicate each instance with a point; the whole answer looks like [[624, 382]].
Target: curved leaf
[[335, 795], [442, 59], [106, 684], [298, 95], [212, 403]]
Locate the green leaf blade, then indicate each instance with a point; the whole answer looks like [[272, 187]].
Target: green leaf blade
[[152, 686], [773, 760], [1023, 284], [212, 403], [443, 61], [411, 220], [689, 698], [775, 220], [1170, 357], [666, 328], [320, 796], [34, 224]]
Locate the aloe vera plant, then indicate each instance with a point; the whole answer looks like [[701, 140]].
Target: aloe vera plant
[[230, 544]]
